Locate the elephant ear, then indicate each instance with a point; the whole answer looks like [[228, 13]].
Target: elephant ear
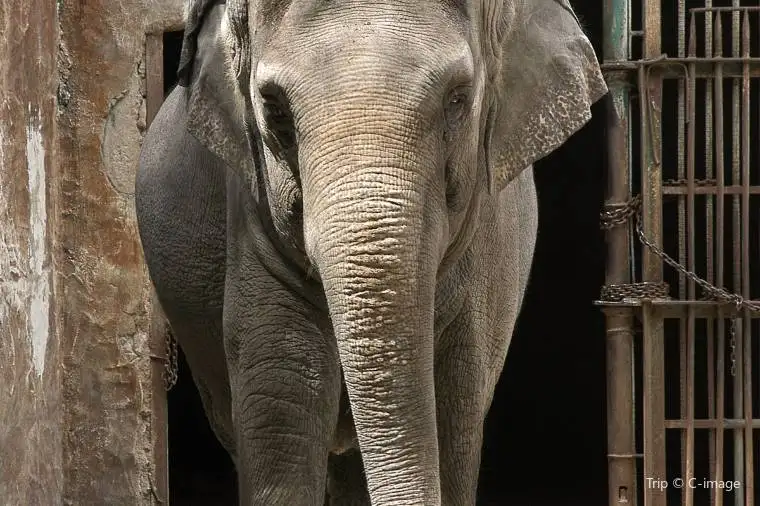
[[546, 78], [211, 70], [195, 13]]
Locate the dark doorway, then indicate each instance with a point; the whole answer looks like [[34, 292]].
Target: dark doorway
[[200, 471], [545, 435]]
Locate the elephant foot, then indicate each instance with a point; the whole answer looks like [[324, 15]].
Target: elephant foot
[[346, 485]]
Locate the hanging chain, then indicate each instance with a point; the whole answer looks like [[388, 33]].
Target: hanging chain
[[732, 345], [619, 214], [171, 365], [685, 182], [712, 290]]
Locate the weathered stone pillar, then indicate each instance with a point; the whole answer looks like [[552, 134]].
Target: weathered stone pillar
[[31, 466], [76, 375]]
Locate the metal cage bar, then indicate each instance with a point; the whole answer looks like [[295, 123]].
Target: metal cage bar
[[620, 395], [746, 385], [713, 193]]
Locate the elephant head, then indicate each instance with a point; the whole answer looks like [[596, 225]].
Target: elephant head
[[380, 132]]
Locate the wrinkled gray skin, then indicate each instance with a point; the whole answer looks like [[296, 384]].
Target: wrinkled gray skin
[[338, 204]]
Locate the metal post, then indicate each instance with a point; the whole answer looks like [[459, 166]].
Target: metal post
[[654, 407], [620, 396], [650, 91], [651, 142]]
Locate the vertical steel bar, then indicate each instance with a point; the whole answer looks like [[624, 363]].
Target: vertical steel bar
[[620, 361], [652, 142], [654, 406], [650, 91], [620, 402], [710, 242], [719, 254], [681, 154], [747, 331], [154, 76], [684, 85], [738, 410], [690, 254]]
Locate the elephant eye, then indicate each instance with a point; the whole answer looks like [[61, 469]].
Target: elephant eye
[[279, 122], [456, 107]]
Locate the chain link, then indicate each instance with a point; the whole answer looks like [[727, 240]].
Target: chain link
[[171, 364], [732, 337], [712, 290], [685, 182], [732, 345], [619, 214], [644, 290]]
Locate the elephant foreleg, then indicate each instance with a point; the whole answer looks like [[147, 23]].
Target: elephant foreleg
[[460, 374], [285, 382]]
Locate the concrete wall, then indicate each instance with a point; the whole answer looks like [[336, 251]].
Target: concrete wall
[[76, 377]]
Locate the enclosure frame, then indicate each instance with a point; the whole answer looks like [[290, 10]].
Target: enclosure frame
[[647, 300], [160, 357]]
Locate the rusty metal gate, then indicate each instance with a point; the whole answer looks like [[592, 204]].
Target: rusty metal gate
[[683, 276]]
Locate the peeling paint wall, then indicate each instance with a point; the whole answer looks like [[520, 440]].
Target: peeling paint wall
[[31, 465], [39, 271], [75, 306], [105, 324]]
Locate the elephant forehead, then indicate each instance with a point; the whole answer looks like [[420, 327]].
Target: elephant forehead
[[270, 11], [317, 32], [352, 49]]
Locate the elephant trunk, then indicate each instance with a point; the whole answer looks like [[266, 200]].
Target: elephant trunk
[[371, 235]]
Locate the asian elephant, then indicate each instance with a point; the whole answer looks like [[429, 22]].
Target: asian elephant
[[338, 214]]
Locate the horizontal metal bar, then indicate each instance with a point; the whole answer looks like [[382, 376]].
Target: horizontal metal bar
[[682, 304], [679, 308], [667, 61], [711, 423], [625, 456], [738, 8], [703, 68], [706, 189]]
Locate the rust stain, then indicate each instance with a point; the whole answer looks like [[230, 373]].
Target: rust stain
[[103, 284]]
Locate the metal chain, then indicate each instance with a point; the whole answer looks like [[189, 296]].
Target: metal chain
[[684, 182], [645, 290], [613, 216], [732, 335], [732, 345], [171, 365], [619, 214], [714, 291]]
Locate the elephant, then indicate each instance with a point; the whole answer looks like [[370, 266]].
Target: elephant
[[338, 215]]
